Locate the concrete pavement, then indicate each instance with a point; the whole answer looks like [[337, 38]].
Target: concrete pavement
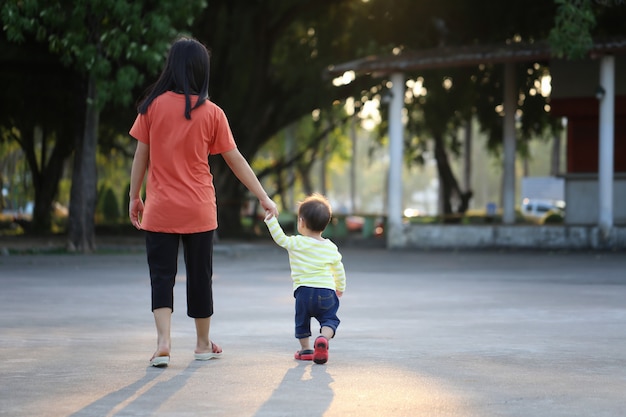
[[464, 334]]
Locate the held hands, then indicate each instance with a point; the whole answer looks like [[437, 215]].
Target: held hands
[[270, 208], [135, 212]]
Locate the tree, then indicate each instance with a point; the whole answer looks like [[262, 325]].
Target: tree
[[105, 42], [268, 59], [571, 34], [446, 108], [268, 75], [427, 25], [35, 82], [290, 155]]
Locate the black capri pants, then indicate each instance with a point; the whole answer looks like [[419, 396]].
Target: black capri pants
[[162, 252]]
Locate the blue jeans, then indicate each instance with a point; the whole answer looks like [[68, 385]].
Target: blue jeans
[[319, 303]]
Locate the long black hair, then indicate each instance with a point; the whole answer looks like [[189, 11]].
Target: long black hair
[[186, 71]]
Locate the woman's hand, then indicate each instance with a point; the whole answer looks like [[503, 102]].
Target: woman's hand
[[270, 207], [135, 212]]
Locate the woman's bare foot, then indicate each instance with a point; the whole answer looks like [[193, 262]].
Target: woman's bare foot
[[203, 353], [209, 348], [161, 358]]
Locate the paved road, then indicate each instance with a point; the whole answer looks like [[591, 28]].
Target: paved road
[[422, 334]]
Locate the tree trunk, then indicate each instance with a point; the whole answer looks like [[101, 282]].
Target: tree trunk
[[467, 156], [289, 203], [45, 172], [305, 177], [47, 185], [42, 216], [46, 192], [230, 196], [323, 167], [81, 226], [449, 186], [229, 203]]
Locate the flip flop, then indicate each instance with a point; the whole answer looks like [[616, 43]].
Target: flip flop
[[304, 355], [320, 355], [207, 356], [160, 361]]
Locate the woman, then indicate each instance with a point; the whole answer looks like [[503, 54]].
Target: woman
[[176, 129]]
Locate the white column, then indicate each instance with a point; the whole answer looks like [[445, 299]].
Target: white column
[[290, 150], [353, 163], [394, 190], [510, 107], [606, 134]]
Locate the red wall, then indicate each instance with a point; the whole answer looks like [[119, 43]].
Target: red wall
[[582, 132]]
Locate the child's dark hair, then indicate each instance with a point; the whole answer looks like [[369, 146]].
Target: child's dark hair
[[186, 71], [316, 212]]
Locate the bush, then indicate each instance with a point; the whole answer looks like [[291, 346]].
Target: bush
[[553, 218], [127, 201], [109, 206], [8, 226]]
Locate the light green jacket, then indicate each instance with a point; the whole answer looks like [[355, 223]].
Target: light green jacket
[[314, 263]]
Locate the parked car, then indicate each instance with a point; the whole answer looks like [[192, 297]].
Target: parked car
[[537, 210]]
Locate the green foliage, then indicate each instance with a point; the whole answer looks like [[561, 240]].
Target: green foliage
[[12, 170], [108, 39], [553, 218], [269, 57], [571, 35], [105, 48], [109, 206], [126, 201]]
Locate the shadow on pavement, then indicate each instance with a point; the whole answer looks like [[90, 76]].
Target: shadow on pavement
[[305, 386], [141, 397]]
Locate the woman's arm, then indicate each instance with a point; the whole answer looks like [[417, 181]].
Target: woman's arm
[[137, 173], [246, 175]]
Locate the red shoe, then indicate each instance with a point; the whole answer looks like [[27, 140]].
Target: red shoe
[[320, 354], [304, 355]]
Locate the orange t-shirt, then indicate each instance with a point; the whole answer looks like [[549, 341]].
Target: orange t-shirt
[[180, 197]]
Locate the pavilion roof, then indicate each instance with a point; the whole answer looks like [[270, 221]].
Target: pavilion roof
[[461, 56]]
